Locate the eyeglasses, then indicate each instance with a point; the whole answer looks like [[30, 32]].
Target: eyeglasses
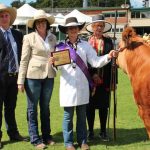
[[40, 21], [97, 25]]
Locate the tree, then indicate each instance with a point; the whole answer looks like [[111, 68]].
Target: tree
[[145, 3], [69, 3], [17, 3], [76, 3], [117, 3]]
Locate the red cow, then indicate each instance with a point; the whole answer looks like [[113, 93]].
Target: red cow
[[134, 59]]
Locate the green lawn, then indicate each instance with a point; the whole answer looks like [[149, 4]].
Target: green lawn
[[131, 134]]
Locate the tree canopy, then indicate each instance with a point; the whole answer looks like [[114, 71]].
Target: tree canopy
[[70, 3]]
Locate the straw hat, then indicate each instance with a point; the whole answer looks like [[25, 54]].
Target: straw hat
[[70, 22], [99, 18], [12, 11], [40, 14]]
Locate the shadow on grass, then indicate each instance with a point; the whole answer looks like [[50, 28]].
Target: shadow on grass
[[58, 137], [123, 137], [27, 139]]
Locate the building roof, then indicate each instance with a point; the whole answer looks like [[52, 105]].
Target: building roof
[[140, 9]]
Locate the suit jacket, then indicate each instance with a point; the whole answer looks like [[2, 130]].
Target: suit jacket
[[4, 61], [35, 58], [102, 93], [108, 46]]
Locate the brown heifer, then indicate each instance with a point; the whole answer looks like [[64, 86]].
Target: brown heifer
[[134, 59]]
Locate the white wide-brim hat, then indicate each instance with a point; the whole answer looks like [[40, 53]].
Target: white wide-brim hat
[[11, 10], [70, 22], [99, 18], [40, 14]]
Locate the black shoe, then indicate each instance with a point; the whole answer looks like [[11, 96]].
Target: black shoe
[[0, 144], [91, 136], [17, 137], [104, 137]]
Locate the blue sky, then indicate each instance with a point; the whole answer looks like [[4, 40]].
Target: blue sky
[[8, 2], [134, 3]]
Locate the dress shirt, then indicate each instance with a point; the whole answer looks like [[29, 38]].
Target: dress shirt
[[14, 47]]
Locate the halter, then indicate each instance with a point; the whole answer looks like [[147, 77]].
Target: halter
[[121, 49]]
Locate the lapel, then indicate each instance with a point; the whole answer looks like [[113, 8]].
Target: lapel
[[1, 34], [107, 45], [18, 37], [14, 35], [51, 40], [40, 43], [2, 38]]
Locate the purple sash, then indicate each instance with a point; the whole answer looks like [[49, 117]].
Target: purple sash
[[75, 57]]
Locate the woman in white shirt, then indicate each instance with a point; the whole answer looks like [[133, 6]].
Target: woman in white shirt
[[74, 85]]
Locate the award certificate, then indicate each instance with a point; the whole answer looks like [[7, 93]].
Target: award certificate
[[61, 57]]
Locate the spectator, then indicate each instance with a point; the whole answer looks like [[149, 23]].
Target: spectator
[[36, 76], [101, 76], [10, 53]]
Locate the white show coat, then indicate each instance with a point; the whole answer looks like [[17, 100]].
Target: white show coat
[[74, 86]]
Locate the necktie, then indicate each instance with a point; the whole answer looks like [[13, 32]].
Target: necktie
[[12, 62]]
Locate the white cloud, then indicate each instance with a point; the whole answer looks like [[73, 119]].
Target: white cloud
[[136, 3]]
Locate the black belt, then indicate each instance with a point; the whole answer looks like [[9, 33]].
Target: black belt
[[13, 74]]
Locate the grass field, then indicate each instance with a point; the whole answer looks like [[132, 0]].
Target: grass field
[[131, 134]]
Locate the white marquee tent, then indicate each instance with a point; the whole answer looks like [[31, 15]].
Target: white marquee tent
[[24, 13], [59, 19], [80, 16]]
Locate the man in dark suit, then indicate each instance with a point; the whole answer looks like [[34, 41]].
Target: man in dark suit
[[10, 53]]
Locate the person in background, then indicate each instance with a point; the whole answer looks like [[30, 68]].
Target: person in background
[[101, 76], [10, 53], [74, 85], [36, 76]]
